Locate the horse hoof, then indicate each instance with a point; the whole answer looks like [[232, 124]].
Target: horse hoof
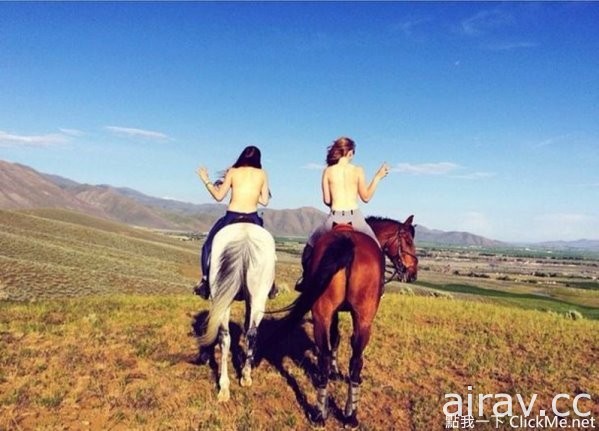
[[351, 422], [223, 396], [203, 358], [336, 376], [246, 381], [317, 420]]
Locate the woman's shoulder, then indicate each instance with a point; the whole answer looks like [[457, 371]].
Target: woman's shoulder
[[248, 169]]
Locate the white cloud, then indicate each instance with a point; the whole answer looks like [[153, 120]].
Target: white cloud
[[47, 140], [138, 133], [484, 21], [314, 166], [553, 140], [441, 168], [407, 27], [71, 132], [475, 175], [510, 46]]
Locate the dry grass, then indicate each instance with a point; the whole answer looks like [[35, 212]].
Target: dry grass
[[51, 253], [125, 360]]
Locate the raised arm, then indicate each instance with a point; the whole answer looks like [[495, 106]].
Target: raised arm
[[366, 192], [264, 192], [217, 192]]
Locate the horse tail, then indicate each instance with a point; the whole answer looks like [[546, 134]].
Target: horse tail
[[338, 255], [230, 278]]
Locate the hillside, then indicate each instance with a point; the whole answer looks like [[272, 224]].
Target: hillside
[[434, 236], [56, 253], [293, 222], [128, 362], [101, 336], [23, 187]]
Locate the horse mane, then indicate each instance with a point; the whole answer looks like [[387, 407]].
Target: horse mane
[[378, 219], [381, 219]]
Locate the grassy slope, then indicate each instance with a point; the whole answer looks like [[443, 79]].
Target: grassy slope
[[54, 253], [125, 361]]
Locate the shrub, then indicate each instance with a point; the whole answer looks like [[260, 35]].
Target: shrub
[[574, 315]]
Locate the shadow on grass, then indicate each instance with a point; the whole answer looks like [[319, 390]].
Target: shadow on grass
[[523, 300], [206, 353], [295, 345]]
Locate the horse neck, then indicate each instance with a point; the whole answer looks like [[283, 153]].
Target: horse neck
[[384, 230]]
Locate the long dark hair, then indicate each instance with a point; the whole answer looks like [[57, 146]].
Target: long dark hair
[[250, 156]]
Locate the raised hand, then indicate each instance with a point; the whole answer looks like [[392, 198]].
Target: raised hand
[[383, 171], [203, 174]]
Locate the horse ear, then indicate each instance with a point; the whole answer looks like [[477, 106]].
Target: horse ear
[[409, 220]]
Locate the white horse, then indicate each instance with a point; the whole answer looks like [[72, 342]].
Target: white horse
[[243, 259]]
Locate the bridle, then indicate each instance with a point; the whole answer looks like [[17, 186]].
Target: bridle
[[398, 266]]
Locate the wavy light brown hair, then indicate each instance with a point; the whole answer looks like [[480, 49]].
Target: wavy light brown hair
[[340, 148]]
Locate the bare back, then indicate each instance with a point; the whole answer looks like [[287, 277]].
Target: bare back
[[248, 185], [341, 183]]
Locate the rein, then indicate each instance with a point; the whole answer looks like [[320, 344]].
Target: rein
[[398, 265]]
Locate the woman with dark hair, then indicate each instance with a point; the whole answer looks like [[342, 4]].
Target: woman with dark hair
[[343, 183], [248, 183]]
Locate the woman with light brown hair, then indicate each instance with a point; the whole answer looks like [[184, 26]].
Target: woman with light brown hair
[[343, 184]]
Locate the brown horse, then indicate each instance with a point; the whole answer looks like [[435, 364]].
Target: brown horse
[[345, 273], [397, 242]]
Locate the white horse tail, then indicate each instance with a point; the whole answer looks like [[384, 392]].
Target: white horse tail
[[238, 251]]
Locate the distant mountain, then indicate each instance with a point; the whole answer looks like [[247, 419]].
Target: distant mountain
[[434, 236], [21, 187], [293, 222]]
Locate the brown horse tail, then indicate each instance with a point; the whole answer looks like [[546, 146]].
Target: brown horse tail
[[339, 254]]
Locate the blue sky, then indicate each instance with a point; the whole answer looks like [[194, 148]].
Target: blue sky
[[488, 113]]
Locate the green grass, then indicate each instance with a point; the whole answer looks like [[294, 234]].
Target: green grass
[[587, 285], [523, 300]]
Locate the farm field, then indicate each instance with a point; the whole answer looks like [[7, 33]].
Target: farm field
[[97, 332]]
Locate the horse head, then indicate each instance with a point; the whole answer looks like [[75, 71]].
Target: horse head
[[407, 251], [397, 241]]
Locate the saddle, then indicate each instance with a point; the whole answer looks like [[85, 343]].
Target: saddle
[[342, 227], [243, 219]]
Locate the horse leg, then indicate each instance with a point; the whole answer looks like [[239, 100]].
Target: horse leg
[[246, 372], [225, 346], [335, 340], [359, 341], [322, 339], [255, 312]]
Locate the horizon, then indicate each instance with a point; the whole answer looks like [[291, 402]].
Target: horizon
[[486, 112], [417, 225]]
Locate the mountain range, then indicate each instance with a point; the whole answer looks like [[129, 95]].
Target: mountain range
[[22, 187]]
